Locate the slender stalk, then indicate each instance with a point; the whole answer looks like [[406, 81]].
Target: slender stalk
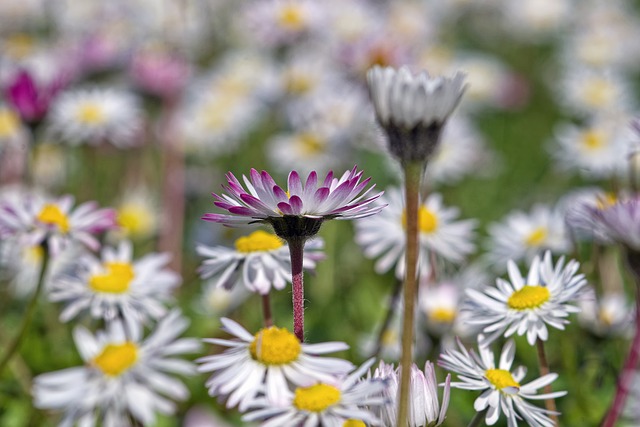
[[14, 345], [544, 370], [412, 177], [477, 419], [266, 311], [393, 302], [296, 251], [628, 369]]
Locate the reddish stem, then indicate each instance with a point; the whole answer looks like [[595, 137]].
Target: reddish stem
[[266, 311], [296, 251]]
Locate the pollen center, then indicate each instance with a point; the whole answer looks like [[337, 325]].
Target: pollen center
[[442, 315], [115, 359], [258, 241], [311, 144], [598, 92], [90, 114], [291, 17], [537, 237], [593, 140], [529, 297], [354, 423], [116, 280], [9, 123], [52, 215], [427, 220], [275, 346], [500, 378], [316, 398], [136, 219]]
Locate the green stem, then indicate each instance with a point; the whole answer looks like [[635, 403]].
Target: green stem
[[14, 346], [393, 303], [412, 177], [477, 419]]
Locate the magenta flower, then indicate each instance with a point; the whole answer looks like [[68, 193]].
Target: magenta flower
[[30, 100], [300, 209]]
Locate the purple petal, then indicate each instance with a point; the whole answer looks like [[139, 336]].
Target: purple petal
[[280, 194], [328, 179], [241, 210], [285, 208], [294, 184], [296, 205]]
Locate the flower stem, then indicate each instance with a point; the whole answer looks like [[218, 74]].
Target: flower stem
[[296, 251], [544, 370], [477, 418], [393, 302], [629, 367], [412, 178], [266, 311], [14, 345]]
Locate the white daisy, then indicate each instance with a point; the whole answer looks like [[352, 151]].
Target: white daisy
[[267, 361], [536, 20], [528, 305], [116, 286], [383, 235], [439, 304], [137, 215], [337, 402], [611, 314], [502, 391], [125, 378], [260, 261], [424, 407], [587, 91], [96, 115], [520, 236]]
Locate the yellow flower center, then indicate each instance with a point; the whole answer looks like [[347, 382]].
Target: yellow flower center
[[311, 144], [529, 297], [275, 346], [116, 280], [389, 338], [593, 140], [291, 17], [598, 92], [52, 215], [606, 201], [442, 315], [19, 45], [606, 317], [115, 359], [298, 83], [537, 237], [354, 423], [9, 123], [500, 378], [316, 398], [427, 220], [90, 114], [258, 241], [136, 219]]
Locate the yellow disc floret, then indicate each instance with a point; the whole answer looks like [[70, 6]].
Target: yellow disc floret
[[529, 297], [275, 346], [501, 378], [136, 219], [258, 241], [593, 140], [9, 123], [427, 220], [90, 114], [292, 17], [115, 359], [442, 315], [316, 398], [311, 144], [537, 237], [115, 280], [354, 423], [52, 215]]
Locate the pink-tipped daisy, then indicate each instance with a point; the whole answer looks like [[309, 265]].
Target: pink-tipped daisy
[[300, 210]]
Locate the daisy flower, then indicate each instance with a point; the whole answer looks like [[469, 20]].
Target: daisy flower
[[260, 260], [579, 207], [588, 91], [337, 402], [439, 304], [619, 222], [137, 215], [301, 209], [520, 236], [96, 115], [267, 361], [527, 305], [35, 218], [125, 379], [116, 285], [611, 314], [424, 406], [384, 235], [500, 386]]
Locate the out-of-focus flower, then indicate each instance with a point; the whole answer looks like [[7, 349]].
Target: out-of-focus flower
[[439, 232], [29, 98], [424, 407], [265, 363], [520, 236], [579, 207], [137, 215], [159, 73], [341, 401], [115, 286], [619, 222], [260, 261], [12, 131], [589, 91], [95, 116], [526, 306], [536, 20], [413, 109], [124, 378], [502, 391], [608, 315]]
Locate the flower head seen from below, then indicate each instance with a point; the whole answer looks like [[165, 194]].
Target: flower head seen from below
[[117, 286], [338, 402], [259, 260], [500, 386], [527, 305], [413, 109], [299, 211], [619, 222], [125, 377], [34, 218], [425, 409], [267, 362], [439, 232]]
